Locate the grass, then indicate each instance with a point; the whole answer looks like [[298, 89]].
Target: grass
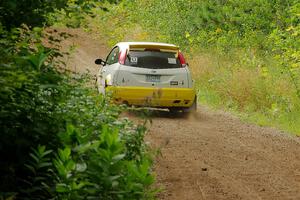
[[288, 122], [257, 95]]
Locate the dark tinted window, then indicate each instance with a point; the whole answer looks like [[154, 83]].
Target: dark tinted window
[[152, 59], [113, 56]]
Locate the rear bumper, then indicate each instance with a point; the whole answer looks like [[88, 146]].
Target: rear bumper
[[153, 97]]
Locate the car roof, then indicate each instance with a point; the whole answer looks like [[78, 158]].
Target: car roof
[[147, 44]]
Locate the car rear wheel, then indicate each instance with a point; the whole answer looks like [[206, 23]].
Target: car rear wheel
[[175, 110]]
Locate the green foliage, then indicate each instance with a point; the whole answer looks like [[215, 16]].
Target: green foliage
[[30, 12], [61, 140], [98, 169], [286, 46], [14, 13], [39, 181], [30, 92], [75, 13], [72, 16]]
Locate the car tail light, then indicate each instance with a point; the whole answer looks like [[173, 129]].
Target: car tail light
[[122, 56], [181, 59]]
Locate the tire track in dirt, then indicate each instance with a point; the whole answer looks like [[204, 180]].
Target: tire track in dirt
[[216, 156], [213, 155]]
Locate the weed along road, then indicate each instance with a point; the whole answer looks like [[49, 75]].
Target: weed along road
[[212, 155]]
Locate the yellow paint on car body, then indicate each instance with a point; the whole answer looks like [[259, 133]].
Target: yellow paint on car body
[[153, 97]]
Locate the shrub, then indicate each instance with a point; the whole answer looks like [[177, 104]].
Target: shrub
[[60, 139]]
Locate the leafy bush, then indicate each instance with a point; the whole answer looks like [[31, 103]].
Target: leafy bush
[[30, 12], [97, 168], [61, 140], [30, 92]]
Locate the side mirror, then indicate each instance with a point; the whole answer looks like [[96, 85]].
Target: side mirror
[[99, 61]]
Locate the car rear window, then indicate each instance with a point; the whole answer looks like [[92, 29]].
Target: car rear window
[[152, 59]]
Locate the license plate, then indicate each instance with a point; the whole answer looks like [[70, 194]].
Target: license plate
[[153, 78]]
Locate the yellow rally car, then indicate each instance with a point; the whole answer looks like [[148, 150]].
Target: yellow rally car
[[147, 74]]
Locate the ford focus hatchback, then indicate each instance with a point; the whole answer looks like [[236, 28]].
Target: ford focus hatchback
[[147, 74]]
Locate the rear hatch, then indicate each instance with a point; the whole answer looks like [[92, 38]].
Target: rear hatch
[[153, 66]]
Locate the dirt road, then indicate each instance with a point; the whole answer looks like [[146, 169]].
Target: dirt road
[[216, 156], [213, 155]]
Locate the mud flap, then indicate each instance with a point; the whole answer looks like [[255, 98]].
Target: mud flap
[[193, 107]]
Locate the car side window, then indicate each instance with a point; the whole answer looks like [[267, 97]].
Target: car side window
[[113, 56]]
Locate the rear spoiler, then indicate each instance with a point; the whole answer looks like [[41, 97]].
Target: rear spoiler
[[167, 48]]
